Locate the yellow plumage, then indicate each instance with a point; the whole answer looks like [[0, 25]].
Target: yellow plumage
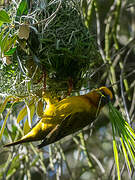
[[67, 116]]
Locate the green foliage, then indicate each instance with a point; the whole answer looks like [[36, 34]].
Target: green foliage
[[22, 9], [10, 52], [126, 135], [65, 51], [4, 17]]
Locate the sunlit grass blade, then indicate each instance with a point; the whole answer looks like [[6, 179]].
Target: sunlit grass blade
[[125, 155], [116, 156], [130, 130], [131, 154], [126, 135]]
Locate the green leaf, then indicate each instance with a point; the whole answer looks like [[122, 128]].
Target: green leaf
[[125, 154], [5, 120], [9, 43], [4, 42], [22, 114], [1, 36], [22, 9], [116, 158], [10, 52], [14, 164], [2, 107], [27, 110], [27, 124], [26, 127], [1, 23], [130, 152], [123, 130], [4, 17]]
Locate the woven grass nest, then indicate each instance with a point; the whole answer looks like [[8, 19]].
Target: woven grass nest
[[68, 48]]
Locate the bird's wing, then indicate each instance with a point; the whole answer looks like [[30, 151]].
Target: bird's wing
[[56, 133]]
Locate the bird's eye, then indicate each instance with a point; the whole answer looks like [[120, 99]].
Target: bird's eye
[[104, 96]]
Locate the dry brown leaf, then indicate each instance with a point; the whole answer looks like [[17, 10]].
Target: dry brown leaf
[[24, 31]]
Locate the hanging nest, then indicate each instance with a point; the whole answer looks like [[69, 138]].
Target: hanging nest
[[63, 49], [68, 49]]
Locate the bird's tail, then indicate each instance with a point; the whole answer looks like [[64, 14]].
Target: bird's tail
[[27, 138], [35, 134], [20, 141]]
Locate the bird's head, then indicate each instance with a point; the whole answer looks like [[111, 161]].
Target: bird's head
[[100, 96], [106, 95]]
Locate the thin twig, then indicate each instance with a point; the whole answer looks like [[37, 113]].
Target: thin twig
[[98, 33], [50, 17], [122, 88], [65, 160]]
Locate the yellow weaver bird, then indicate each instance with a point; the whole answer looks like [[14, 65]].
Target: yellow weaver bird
[[67, 116]]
